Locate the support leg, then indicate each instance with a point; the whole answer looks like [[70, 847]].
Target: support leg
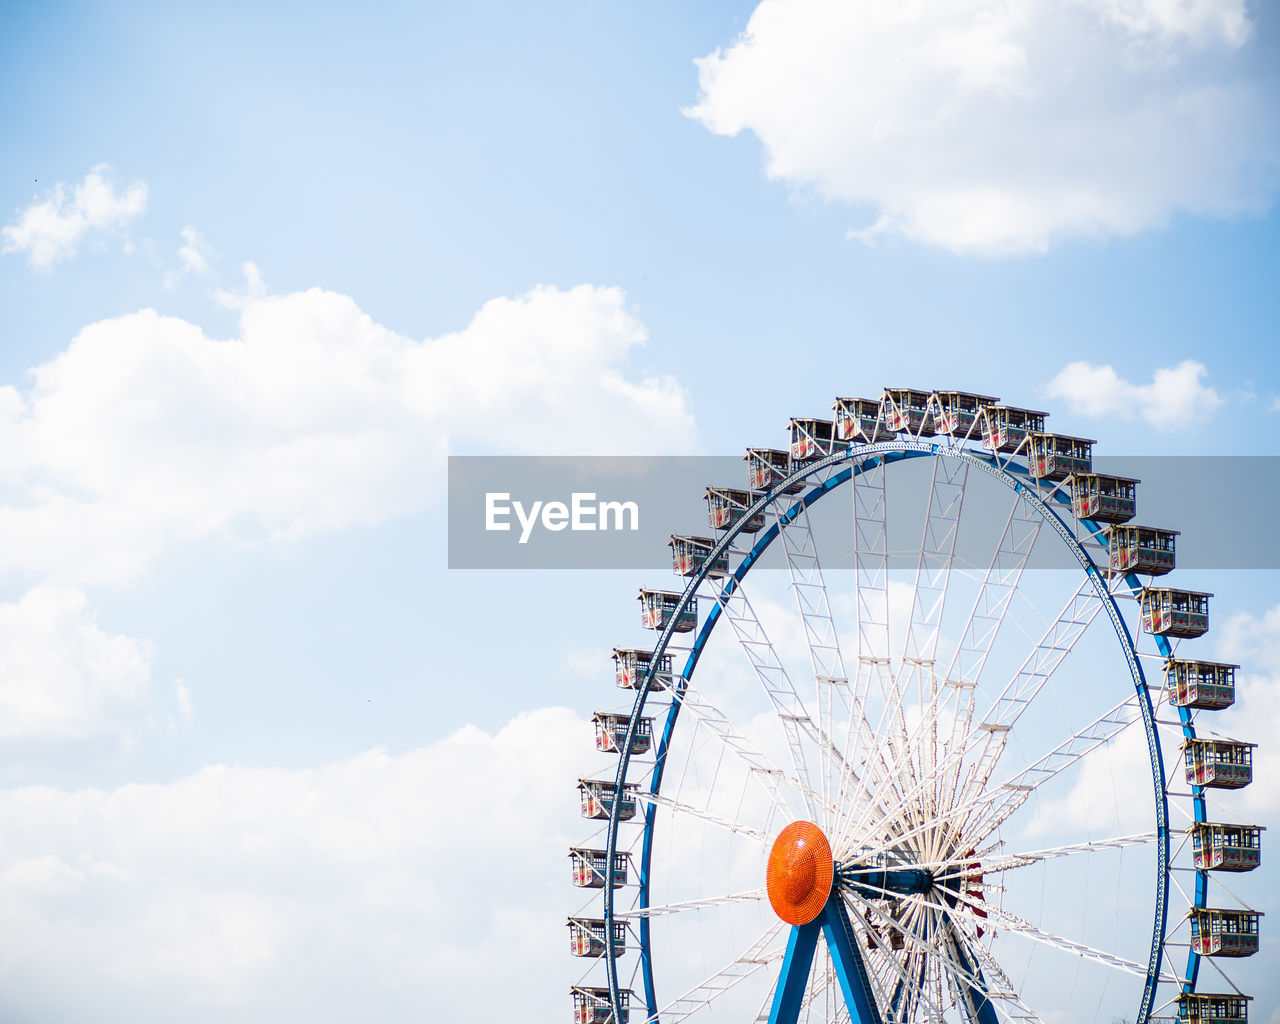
[[789, 994]]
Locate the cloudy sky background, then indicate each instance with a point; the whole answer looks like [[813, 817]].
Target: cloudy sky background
[[263, 755]]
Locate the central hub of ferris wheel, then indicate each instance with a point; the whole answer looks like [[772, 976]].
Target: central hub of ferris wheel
[[800, 873]]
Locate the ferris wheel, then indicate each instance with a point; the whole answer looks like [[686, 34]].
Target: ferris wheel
[[952, 779]]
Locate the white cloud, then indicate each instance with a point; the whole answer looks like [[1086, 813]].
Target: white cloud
[[1199, 22], [254, 289], [192, 258], [1174, 399], [53, 227], [996, 128], [185, 709], [1254, 642], [365, 888], [61, 675], [145, 431]]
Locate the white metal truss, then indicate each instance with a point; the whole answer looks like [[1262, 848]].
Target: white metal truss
[[717, 723], [1007, 798], [775, 682], [936, 559], [999, 584], [754, 896], [1014, 923], [860, 774], [728, 824], [756, 956], [871, 563], [1061, 636], [788, 706], [810, 591], [1008, 862], [955, 700], [916, 676]]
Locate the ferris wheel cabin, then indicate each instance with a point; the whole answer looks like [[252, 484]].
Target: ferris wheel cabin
[[1141, 549], [1221, 847], [859, 420], [1208, 685], [959, 413], [725, 506], [689, 554], [611, 733], [767, 467], [658, 607], [1006, 427], [1211, 1008], [1058, 456], [1107, 499], [1224, 932], [1180, 613], [1218, 764], [906, 411], [597, 796], [587, 868], [810, 440], [631, 664], [587, 937], [592, 1006]]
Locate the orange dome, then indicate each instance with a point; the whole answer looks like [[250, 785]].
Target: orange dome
[[798, 878]]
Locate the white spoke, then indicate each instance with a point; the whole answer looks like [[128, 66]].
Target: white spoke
[[753, 896], [714, 819], [990, 606], [1013, 923], [814, 606], [1008, 862], [756, 956], [1054, 646], [916, 673], [871, 563], [718, 724], [991, 969], [777, 686], [1005, 800]]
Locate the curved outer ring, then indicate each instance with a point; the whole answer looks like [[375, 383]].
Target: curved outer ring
[[861, 457]]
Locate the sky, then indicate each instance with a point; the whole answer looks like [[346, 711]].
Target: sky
[[263, 754]]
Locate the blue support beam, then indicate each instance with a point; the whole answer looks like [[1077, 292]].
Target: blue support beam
[[852, 972], [842, 943], [977, 1004], [788, 997]]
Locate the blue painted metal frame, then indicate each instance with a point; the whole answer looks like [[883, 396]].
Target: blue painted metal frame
[[847, 960], [851, 971], [861, 458], [979, 1009], [788, 996]]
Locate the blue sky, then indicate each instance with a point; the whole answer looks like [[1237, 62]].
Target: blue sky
[[505, 228]]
